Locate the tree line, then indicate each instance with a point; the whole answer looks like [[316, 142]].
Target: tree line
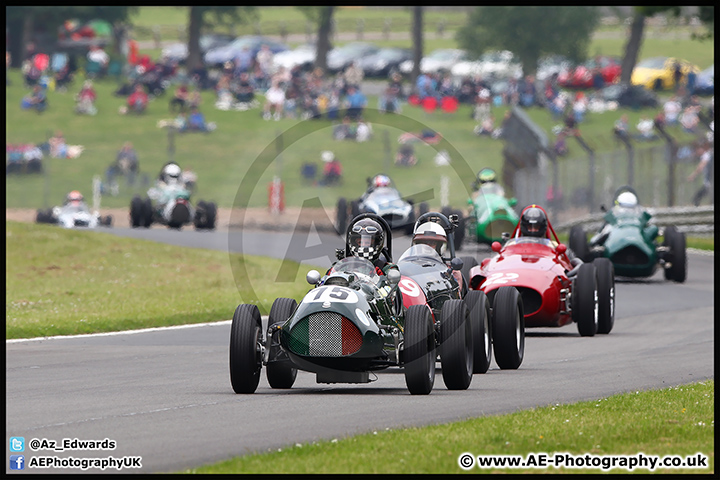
[[530, 32]]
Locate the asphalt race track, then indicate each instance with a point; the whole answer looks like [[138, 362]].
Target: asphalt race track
[[165, 394]]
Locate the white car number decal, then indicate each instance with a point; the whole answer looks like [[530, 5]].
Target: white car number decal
[[333, 293], [409, 287], [500, 278]]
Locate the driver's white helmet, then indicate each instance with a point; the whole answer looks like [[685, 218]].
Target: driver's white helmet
[[432, 234], [627, 199], [172, 173], [381, 181]]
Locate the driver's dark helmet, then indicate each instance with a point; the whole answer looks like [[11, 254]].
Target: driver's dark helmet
[[533, 222], [486, 175], [366, 239]]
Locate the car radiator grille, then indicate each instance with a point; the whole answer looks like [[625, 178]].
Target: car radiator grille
[[325, 334], [630, 256], [532, 300]]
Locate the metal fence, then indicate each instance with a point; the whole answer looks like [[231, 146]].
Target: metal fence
[[584, 182]]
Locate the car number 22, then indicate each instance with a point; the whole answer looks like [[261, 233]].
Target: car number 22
[[332, 294], [500, 278]]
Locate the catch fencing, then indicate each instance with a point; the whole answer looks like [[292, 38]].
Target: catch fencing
[[576, 186]]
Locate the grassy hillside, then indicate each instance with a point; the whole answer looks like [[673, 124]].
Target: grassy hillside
[[224, 158]]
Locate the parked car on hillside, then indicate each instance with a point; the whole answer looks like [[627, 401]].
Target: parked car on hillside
[[218, 56], [303, 55], [705, 83], [657, 73], [582, 75], [550, 65], [339, 58], [441, 59], [380, 63], [632, 96], [495, 64], [178, 52]]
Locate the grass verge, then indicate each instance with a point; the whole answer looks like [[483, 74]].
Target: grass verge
[[66, 282], [673, 421]]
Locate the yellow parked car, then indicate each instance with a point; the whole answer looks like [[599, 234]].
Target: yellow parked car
[[657, 73]]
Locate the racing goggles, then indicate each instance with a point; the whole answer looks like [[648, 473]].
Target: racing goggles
[[365, 228]]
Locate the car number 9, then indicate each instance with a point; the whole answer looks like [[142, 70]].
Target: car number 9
[[409, 287]]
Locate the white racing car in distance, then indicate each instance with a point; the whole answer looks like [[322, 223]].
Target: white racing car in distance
[[73, 213]]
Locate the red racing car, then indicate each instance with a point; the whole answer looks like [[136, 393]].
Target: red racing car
[[555, 289]]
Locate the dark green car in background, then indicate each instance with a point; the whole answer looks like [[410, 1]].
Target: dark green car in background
[[629, 239]]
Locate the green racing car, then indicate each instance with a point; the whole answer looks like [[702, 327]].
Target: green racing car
[[629, 239], [491, 212]]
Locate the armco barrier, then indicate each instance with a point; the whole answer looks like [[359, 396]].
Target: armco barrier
[[700, 220]]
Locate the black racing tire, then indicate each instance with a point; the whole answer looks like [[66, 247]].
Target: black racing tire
[[137, 212], [179, 216], [456, 345], [578, 243], [200, 211], [419, 353], [245, 349], [354, 209], [341, 216], [45, 216], [147, 215], [280, 374], [423, 208], [211, 216], [675, 240], [106, 221], [508, 328], [468, 264], [606, 294], [584, 300], [479, 315]]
